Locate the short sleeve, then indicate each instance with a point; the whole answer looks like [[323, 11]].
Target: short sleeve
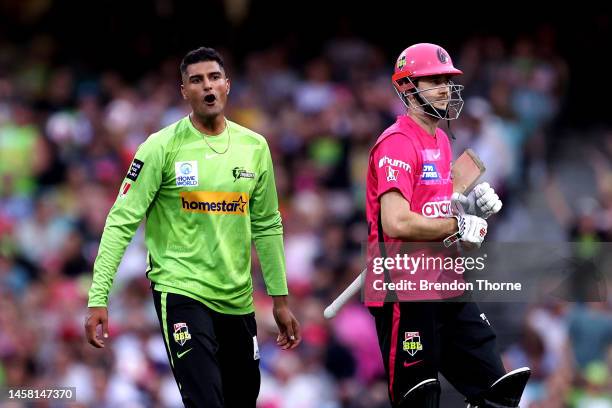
[[394, 161]]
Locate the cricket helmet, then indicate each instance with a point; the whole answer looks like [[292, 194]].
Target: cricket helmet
[[424, 60]]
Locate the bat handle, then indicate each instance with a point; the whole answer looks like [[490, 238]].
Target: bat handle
[[343, 298], [451, 239]]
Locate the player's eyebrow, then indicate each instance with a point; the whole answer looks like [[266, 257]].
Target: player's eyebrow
[[201, 76], [195, 76]]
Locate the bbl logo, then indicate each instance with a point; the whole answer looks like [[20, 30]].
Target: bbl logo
[[181, 333], [412, 343], [240, 172]]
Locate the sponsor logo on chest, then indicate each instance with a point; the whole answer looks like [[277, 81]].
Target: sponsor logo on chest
[[186, 173], [215, 202], [430, 172], [437, 209]]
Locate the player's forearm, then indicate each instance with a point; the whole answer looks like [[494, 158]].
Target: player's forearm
[[271, 253], [115, 239], [415, 227]]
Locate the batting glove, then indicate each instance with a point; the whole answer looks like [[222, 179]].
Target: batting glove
[[470, 228], [481, 202]]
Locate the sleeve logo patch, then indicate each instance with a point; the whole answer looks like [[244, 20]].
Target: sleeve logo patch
[[391, 174], [124, 189], [186, 173], [135, 169], [393, 162]]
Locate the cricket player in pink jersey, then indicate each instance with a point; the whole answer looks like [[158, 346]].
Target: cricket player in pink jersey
[[410, 199]]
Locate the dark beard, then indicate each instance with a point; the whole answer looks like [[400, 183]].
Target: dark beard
[[428, 107]]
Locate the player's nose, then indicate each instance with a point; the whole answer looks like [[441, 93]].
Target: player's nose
[[207, 84], [444, 91]]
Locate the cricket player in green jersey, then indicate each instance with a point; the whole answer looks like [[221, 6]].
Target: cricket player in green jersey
[[206, 187]]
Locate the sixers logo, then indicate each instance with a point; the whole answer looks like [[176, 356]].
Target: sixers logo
[[437, 209], [442, 56], [391, 174]]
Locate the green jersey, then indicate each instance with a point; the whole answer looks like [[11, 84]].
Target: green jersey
[[203, 206]]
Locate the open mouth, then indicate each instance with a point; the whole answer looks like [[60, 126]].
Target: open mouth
[[210, 99]]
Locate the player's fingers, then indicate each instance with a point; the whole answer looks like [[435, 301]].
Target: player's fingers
[[282, 340], [296, 338], [497, 207], [290, 335], [493, 202], [105, 328], [489, 205], [460, 198], [482, 188], [486, 198], [90, 331], [459, 203]]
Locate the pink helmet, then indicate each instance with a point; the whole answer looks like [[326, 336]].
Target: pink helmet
[[421, 60]]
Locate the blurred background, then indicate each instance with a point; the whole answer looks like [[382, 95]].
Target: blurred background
[[82, 85]]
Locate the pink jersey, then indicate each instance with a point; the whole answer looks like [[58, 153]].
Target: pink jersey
[[407, 159]]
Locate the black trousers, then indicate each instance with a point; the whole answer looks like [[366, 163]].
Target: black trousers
[[420, 339], [214, 356]]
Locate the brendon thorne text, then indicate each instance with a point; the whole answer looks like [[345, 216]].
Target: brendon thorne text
[[456, 285], [422, 274]]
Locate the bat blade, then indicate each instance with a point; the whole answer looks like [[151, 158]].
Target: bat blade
[[466, 171]]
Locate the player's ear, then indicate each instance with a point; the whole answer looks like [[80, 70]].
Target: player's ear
[[183, 92], [227, 86]]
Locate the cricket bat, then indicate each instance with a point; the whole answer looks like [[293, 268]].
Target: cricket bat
[[466, 171]]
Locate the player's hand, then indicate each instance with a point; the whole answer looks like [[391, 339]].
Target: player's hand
[[471, 229], [97, 316], [289, 329], [481, 202]]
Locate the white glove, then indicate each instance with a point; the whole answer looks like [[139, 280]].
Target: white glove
[[482, 201], [470, 228]]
